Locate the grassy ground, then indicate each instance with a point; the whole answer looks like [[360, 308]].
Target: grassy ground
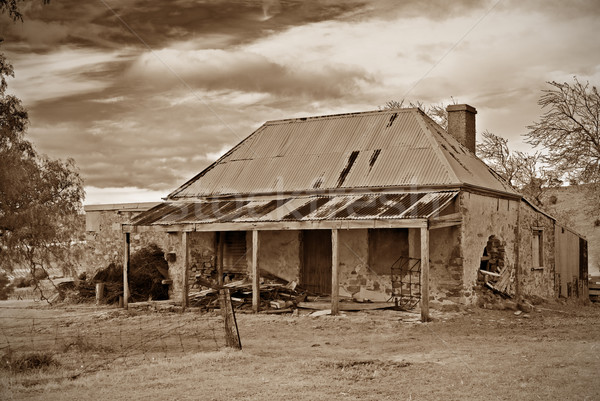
[[551, 353]]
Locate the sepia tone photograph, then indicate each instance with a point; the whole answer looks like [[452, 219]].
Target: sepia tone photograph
[[300, 200]]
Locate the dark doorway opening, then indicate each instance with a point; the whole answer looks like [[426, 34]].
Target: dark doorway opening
[[315, 274]]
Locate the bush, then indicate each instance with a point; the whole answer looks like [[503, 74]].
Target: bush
[[597, 223], [146, 274], [28, 280], [148, 269], [23, 363], [22, 282], [6, 287], [40, 274]]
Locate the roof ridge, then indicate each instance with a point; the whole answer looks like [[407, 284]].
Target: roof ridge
[[340, 115], [436, 147], [449, 137]]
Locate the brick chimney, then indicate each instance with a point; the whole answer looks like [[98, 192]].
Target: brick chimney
[[461, 124]]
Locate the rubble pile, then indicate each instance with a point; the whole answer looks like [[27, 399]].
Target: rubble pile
[[276, 295]]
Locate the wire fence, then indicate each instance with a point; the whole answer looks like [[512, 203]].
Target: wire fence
[[82, 342]]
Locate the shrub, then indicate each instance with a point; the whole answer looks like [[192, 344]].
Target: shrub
[[40, 274], [25, 362], [553, 199], [147, 270], [22, 282], [597, 223], [28, 280], [6, 287]]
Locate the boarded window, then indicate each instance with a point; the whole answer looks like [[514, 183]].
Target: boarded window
[[537, 248], [234, 252], [386, 245]]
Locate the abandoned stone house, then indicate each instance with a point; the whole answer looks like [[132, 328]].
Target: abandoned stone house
[[382, 206]]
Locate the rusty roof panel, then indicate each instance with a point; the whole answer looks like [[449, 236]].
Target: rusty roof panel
[[154, 213], [379, 205], [293, 155], [304, 154], [286, 206], [334, 207], [330, 208], [306, 209], [356, 204]]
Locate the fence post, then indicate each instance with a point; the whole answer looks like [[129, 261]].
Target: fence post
[[99, 293]]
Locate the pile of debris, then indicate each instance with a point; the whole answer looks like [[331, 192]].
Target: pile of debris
[[147, 272], [276, 295], [500, 282]]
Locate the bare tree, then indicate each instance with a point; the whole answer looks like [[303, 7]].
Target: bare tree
[[570, 130], [436, 112], [524, 172]]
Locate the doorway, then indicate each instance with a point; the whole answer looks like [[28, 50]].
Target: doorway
[[315, 273]]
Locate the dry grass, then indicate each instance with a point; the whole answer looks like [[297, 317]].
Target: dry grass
[[550, 354]]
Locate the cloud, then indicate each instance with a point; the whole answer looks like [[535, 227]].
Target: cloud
[[96, 93], [66, 71], [95, 195], [115, 24], [247, 72]]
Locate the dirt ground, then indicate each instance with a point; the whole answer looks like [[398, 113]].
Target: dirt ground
[[551, 353]]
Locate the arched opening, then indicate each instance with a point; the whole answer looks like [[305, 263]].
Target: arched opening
[[492, 259]]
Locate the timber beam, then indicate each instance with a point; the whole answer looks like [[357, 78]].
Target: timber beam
[[454, 219], [280, 225]]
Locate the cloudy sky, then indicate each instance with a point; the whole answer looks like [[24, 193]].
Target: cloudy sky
[[145, 94]]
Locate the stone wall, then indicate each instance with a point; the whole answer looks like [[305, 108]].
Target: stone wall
[[455, 252], [536, 280], [279, 253], [202, 257], [484, 217], [445, 268], [357, 279], [104, 238]]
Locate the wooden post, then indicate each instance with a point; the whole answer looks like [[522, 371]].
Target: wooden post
[[255, 273], [185, 262], [232, 335], [99, 293], [219, 237], [425, 274], [126, 262], [335, 278]]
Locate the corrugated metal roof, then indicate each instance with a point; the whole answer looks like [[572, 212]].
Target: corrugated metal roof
[[413, 205], [389, 149]]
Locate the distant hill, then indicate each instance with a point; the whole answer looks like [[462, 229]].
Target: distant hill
[[574, 206]]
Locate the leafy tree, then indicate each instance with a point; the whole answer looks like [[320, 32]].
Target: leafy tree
[[40, 198], [11, 7]]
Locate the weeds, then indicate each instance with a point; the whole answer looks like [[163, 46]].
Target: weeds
[[83, 344], [365, 369], [27, 362]]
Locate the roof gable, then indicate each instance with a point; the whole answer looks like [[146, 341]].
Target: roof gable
[[380, 149]]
